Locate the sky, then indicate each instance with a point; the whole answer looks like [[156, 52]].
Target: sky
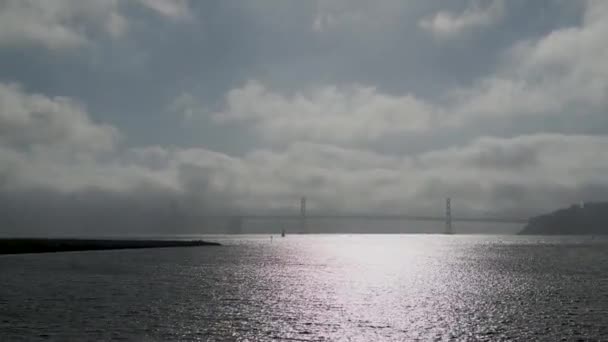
[[144, 115]]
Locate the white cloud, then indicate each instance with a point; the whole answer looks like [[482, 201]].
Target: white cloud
[[480, 176], [559, 74], [61, 24], [521, 174], [185, 105], [447, 25], [37, 120], [51, 144], [356, 15], [175, 9], [58, 24], [329, 114]]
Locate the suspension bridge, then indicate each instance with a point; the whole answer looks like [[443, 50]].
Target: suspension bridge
[[303, 217]]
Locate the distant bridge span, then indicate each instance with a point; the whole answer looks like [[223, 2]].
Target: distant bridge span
[[303, 217], [372, 217]]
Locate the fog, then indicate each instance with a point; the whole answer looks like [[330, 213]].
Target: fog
[[388, 109]]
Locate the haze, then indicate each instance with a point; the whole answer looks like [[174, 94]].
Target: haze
[[143, 116]]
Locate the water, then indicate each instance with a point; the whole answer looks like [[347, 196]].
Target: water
[[315, 288]]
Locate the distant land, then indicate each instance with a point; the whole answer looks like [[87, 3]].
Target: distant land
[[20, 246], [583, 219]]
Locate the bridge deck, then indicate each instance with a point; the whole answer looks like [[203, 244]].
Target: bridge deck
[[371, 217]]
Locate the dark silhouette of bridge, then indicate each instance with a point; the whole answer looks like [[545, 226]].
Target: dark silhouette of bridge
[[375, 217], [303, 217]]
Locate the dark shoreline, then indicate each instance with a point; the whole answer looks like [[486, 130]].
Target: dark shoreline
[[587, 218], [29, 245]]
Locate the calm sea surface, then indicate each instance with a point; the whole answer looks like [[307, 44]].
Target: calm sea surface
[[315, 288]]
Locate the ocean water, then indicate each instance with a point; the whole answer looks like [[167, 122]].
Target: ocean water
[[314, 288]]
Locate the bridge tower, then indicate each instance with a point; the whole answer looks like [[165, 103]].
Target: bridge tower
[[448, 216], [303, 215]]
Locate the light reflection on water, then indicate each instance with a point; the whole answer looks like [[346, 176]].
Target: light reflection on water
[[319, 287]]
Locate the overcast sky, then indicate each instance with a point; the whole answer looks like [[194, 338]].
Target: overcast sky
[[165, 109]]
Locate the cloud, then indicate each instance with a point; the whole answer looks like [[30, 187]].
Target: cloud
[[58, 24], [156, 189], [448, 25], [354, 15], [174, 9], [63, 24], [326, 114], [62, 167], [555, 76], [562, 73], [480, 175], [37, 120], [186, 105]]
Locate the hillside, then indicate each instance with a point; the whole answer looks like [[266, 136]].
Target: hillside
[[589, 218]]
